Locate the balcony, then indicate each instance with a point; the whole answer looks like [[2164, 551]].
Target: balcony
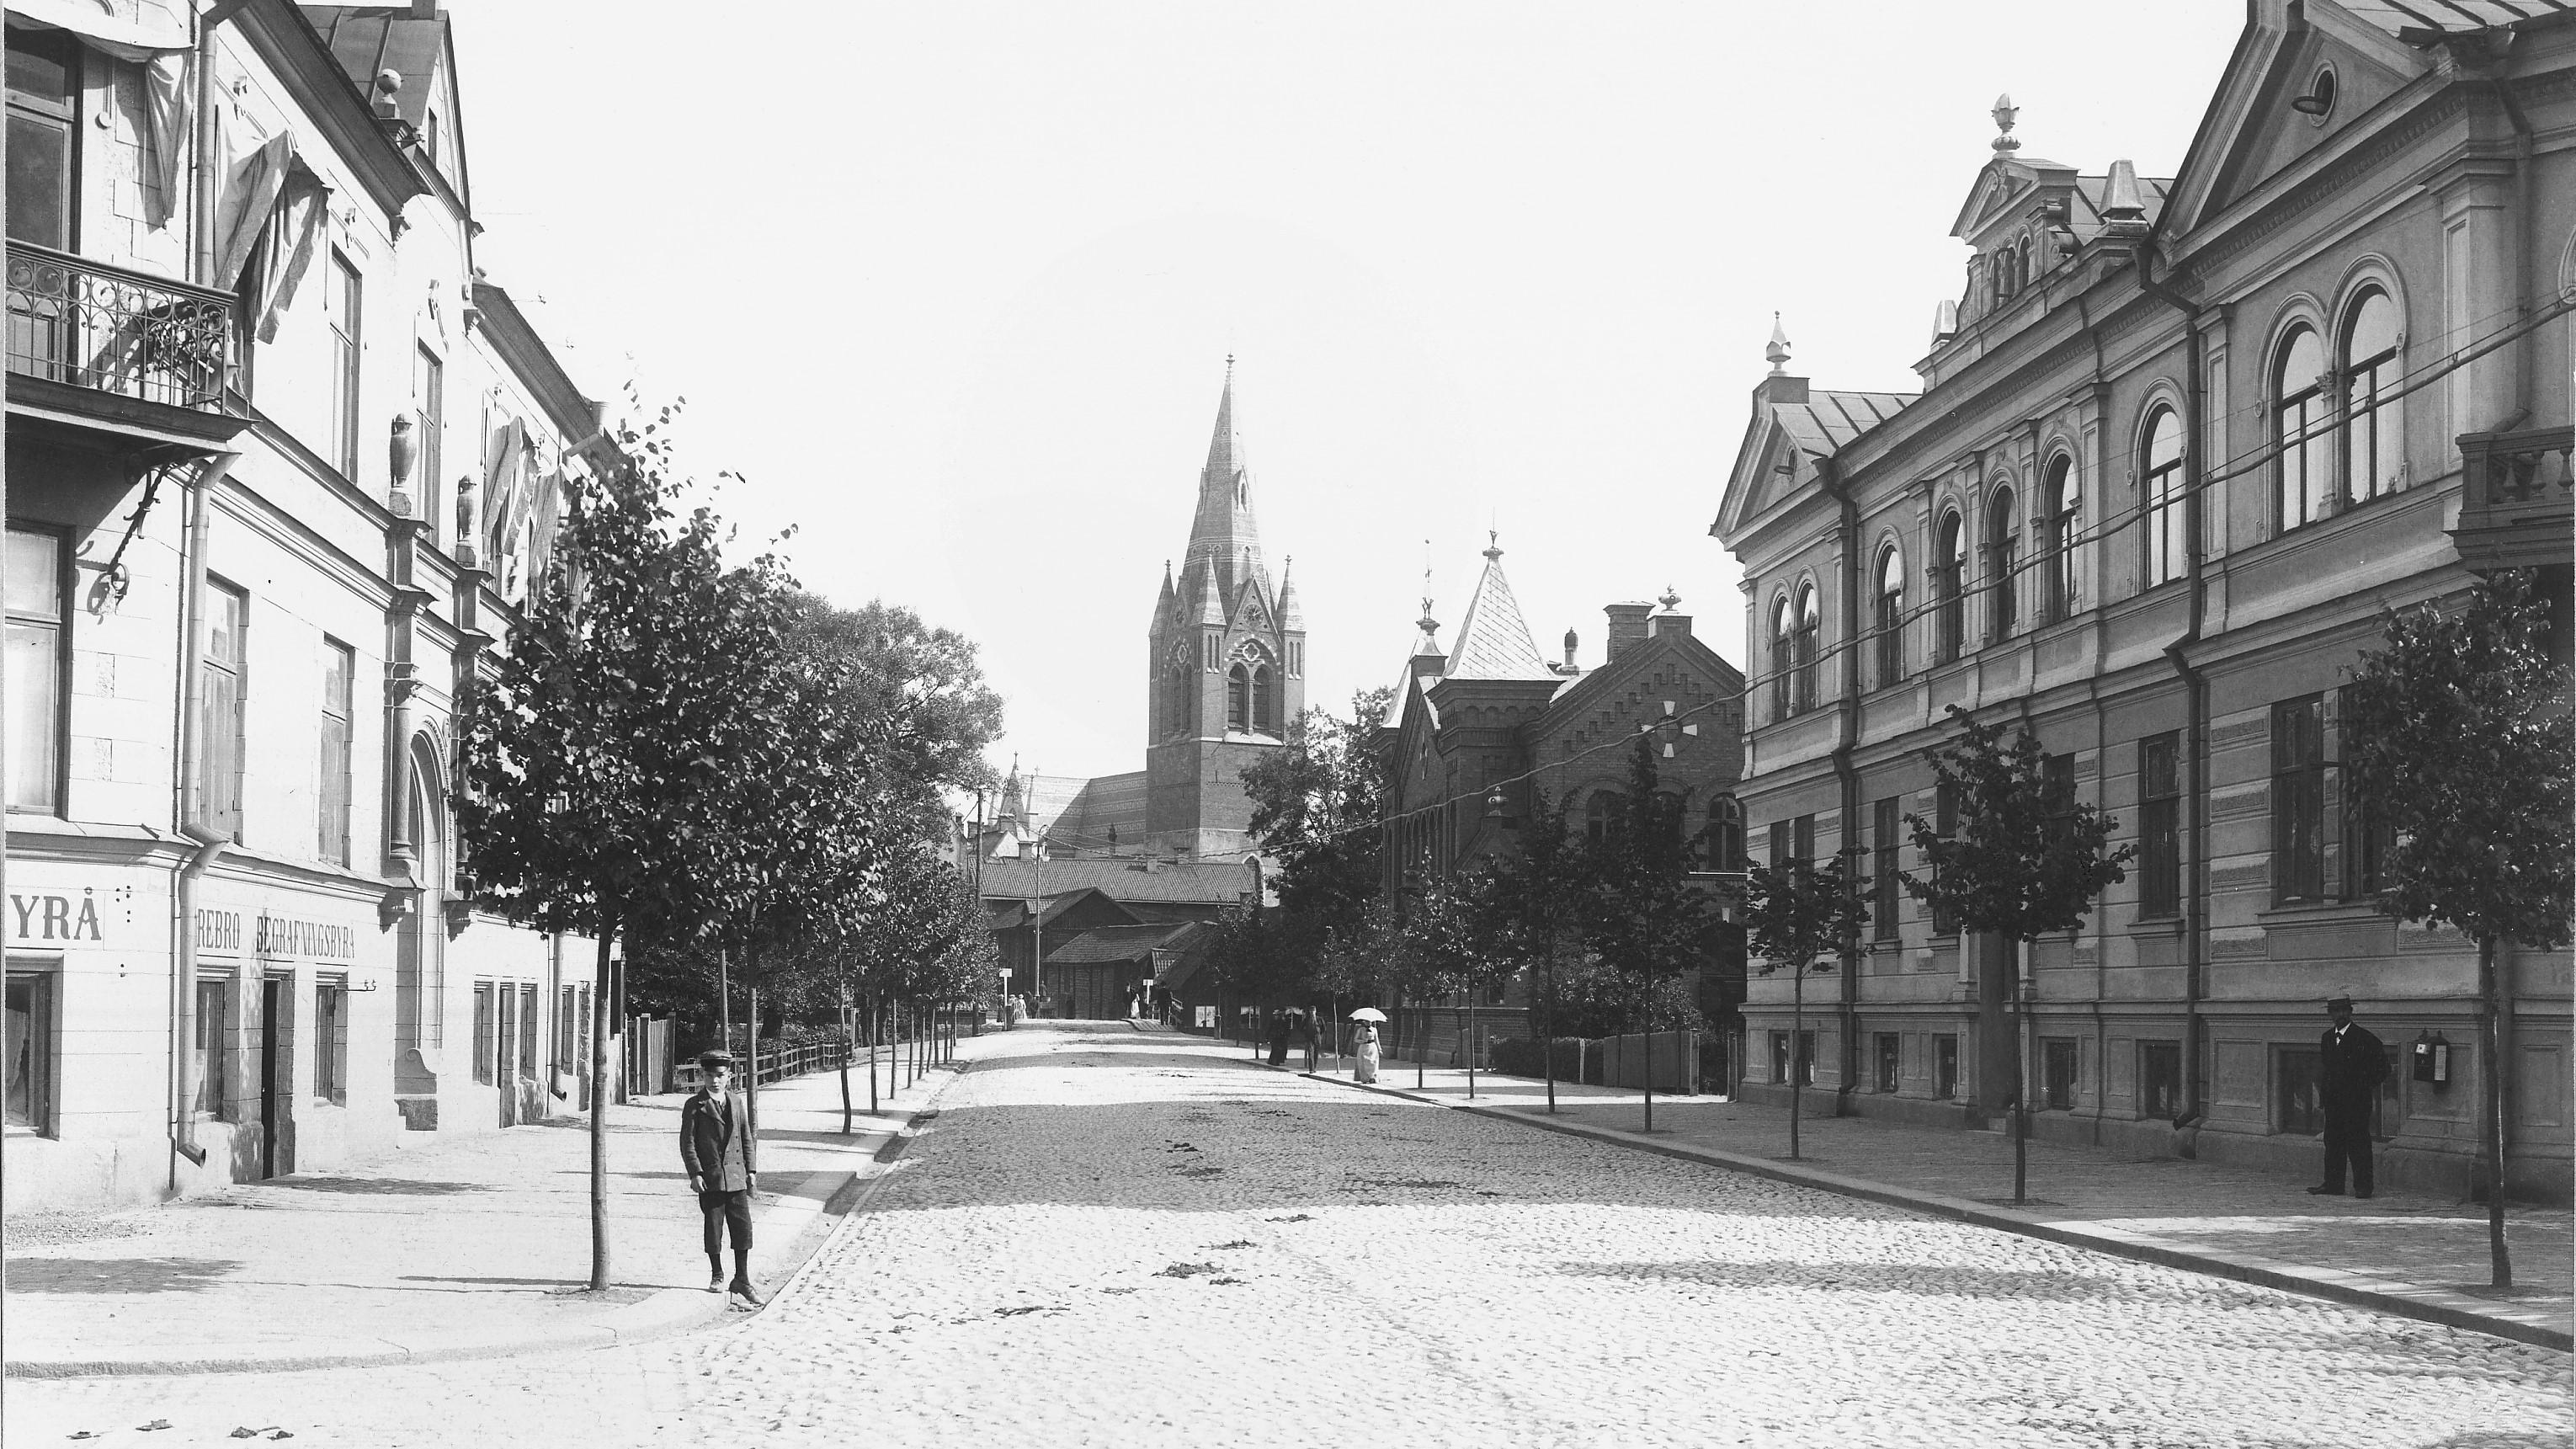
[[2514, 506], [105, 349]]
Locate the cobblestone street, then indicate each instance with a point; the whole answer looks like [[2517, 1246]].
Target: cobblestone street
[[1108, 1237]]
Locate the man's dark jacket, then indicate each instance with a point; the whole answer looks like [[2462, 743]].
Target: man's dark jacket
[[2349, 1069], [718, 1146]]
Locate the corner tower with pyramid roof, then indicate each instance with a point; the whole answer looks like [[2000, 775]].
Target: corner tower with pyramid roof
[[1225, 663]]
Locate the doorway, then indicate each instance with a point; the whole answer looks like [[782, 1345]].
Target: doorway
[[272, 1115]]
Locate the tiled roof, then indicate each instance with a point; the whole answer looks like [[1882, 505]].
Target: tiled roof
[[1217, 882], [1493, 639], [366, 39], [1112, 943], [1827, 420], [2453, 16]]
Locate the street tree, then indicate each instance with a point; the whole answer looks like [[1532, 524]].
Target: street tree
[[2459, 760], [1454, 941], [1642, 915], [915, 699], [614, 730], [2026, 860], [1315, 809], [1796, 916]]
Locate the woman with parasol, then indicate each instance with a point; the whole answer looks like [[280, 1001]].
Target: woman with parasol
[[1364, 1042]]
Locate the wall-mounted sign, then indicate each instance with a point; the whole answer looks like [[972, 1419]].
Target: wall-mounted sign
[[69, 916], [274, 937]]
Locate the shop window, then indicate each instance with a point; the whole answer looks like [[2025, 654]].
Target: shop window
[[331, 1042], [2057, 1073], [486, 1025], [39, 628], [2160, 1080], [29, 1047], [1887, 1058], [214, 1013], [1945, 1066]]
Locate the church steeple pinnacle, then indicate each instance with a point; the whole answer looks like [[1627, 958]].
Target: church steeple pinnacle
[[1224, 539]]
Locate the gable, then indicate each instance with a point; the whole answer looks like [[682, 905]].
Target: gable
[[1608, 704], [1754, 482]]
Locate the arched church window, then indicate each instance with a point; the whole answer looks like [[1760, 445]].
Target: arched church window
[[1265, 699], [1238, 699]]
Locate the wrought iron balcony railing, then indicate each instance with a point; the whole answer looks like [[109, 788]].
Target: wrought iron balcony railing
[[90, 325]]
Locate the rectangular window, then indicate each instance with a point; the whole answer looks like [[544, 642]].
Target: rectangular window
[[1882, 869], [341, 302], [1807, 1058], [2057, 787], [1888, 1049], [1945, 823], [27, 1052], [1802, 839], [214, 1012], [219, 726], [528, 1031], [339, 675], [1945, 1067], [564, 1019], [331, 1042], [44, 105], [39, 626], [1779, 1056], [2160, 824], [2298, 801], [485, 1028], [429, 420], [2160, 1080], [2367, 838], [2057, 1073], [2294, 1092], [505, 1036], [1781, 853]]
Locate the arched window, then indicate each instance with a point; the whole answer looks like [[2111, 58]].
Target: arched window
[[2021, 265], [2166, 514], [1887, 615], [1605, 816], [1238, 699], [1949, 572], [1725, 834], [1780, 670], [2374, 450], [2003, 562], [2298, 429], [1265, 699], [2057, 574], [1804, 647]]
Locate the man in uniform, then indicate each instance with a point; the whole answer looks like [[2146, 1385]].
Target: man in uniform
[[2350, 1066], [723, 1159]]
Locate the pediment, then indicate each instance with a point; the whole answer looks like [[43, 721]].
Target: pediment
[[1766, 468], [2251, 134]]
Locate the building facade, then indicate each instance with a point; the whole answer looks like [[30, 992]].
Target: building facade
[[1488, 738], [281, 468], [2178, 442]]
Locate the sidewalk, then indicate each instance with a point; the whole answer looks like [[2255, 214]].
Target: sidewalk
[[454, 1247], [2416, 1256]]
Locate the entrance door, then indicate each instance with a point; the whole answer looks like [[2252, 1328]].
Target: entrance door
[[272, 1115]]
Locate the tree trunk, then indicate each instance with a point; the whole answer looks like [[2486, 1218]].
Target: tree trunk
[[846, 1051], [2491, 1109], [751, 1089], [601, 1015], [1547, 1028], [1797, 1050], [876, 1030]]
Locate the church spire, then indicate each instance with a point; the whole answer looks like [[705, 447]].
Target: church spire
[[1493, 641], [1291, 618], [1224, 539]]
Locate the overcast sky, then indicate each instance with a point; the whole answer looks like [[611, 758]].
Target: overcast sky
[[954, 284]]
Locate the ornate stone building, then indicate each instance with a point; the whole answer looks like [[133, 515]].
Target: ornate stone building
[[2178, 442]]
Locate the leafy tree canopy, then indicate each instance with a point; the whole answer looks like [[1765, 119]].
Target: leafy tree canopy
[[2027, 857]]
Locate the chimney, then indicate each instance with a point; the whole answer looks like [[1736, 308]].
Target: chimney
[[424, 9], [1569, 652], [1627, 627]]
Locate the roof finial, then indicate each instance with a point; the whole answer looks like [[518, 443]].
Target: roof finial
[[1493, 545], [1672, 600], [1777, 354], [2003, 113]]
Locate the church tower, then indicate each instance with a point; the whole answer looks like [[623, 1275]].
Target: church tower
[[1226, 670]]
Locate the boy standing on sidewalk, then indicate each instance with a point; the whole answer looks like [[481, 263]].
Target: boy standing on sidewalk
[[722, 1156]]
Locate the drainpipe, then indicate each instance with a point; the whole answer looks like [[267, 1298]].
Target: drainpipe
[[183, 926], [1846, 775], [2195, 897]]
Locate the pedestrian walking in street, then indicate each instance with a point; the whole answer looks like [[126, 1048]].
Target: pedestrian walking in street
[[723, 1159], [1364, 1042], [2351, 1064], [1279, 1040], [1306, 1037]]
